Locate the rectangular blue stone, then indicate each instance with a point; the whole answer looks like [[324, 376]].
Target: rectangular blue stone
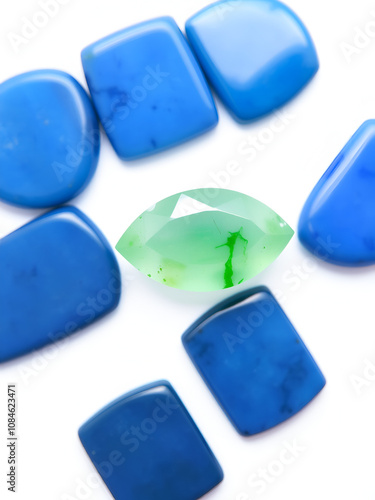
[[148, 89], [146, 446], [253, 361]]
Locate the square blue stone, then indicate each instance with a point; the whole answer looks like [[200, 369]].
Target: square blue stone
[[257, 54], [146, 446], [148, 89], [253, 361]]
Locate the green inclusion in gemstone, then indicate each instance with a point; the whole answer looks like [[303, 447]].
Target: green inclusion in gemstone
[[205, 239]]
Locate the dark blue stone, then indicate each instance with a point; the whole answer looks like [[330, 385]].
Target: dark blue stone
[[49, 139], [253, 361], [148, 89], [337, 222], [146, 446], [257, 54], [58, 274]]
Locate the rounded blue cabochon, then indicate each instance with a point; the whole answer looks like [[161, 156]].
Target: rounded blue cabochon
[[49, 139]]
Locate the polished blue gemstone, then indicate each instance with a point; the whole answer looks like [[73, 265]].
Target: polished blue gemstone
[[337, 222], [253, 361], [49, 139], [257, 54], [146, 446], [58, 274], [148, 89]]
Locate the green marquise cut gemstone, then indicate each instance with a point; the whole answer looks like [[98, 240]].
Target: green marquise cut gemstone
[[205, 239]]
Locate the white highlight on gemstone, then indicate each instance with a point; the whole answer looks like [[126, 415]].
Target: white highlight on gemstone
[[190, 206]]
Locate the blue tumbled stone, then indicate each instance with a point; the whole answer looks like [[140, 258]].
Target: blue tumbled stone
[[146, 446], [257, 54], [57, 275], [337, 222], [148, 89], [253, 361], [49, 139]]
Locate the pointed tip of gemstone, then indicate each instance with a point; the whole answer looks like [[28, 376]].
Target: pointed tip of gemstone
[[337, 220], [205, 240]]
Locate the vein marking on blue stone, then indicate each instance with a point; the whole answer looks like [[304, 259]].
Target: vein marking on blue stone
[[294, 376], [204, 351], [230, 243]]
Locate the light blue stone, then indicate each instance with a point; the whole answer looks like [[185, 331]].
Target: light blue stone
[[58, 275], [146, 446], [257, 54], [148, 89], [49, 139], [253, 361], [337, 223]]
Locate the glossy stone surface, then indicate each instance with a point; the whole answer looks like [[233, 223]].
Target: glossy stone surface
[[148, 89], [337, 223], [58, 274], [49, 139], [253, 361], [257, 54], [205, 239], [146, 446]]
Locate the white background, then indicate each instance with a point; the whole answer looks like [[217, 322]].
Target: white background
[[332, 308]]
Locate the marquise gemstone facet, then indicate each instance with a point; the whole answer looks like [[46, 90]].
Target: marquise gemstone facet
[[203, 240], [337, 223], [253, 360]]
